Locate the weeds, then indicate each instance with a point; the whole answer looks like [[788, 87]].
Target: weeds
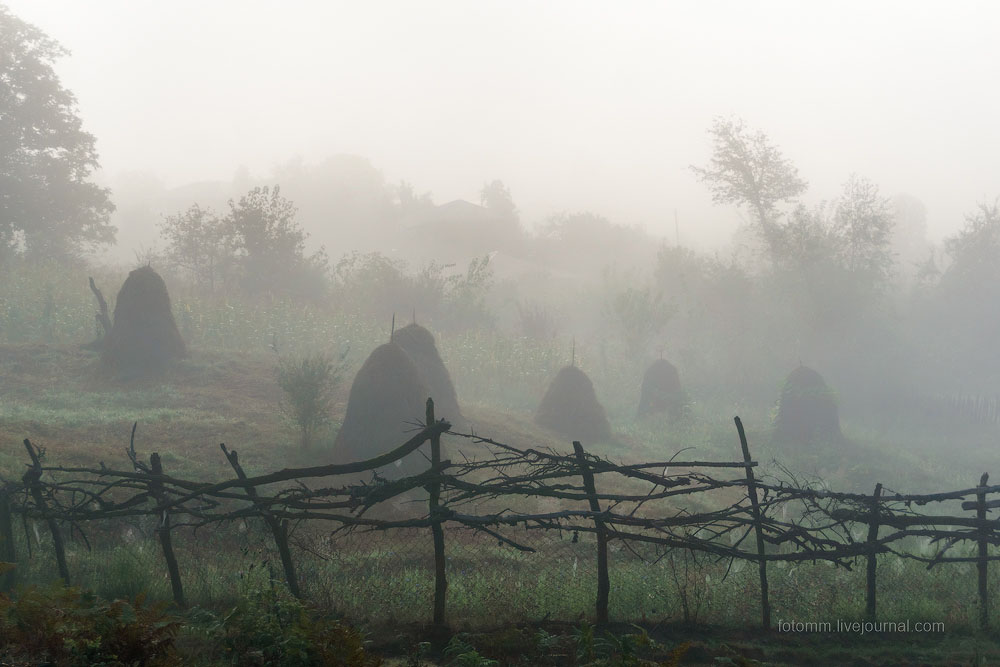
[[309, 383]]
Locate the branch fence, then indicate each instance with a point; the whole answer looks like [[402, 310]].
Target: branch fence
[[789, 522]]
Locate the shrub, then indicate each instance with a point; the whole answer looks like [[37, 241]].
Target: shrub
[[66, 626], [309, 383], [273, 628]]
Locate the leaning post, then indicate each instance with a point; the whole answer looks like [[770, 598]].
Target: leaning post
[[765, 604], [983, 552], [872, 544], [603, 582], [434, 489]]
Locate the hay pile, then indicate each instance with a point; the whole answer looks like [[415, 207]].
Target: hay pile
[[662, 391], [144, 337], [387, 398], [418, 343], [807, 410], [570, 407]]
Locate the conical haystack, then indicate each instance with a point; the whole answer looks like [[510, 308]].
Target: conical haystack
[[386, 400], [570, 407], [807, 411], [661, 391], [144, 337], [418, 343]]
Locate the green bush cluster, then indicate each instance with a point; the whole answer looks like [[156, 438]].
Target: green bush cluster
[[67, 626]]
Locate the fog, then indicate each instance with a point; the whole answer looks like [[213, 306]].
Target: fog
[[575, 106], [438, 270]]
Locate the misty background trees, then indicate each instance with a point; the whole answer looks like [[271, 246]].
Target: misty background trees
[[845, 282], [49, 206]]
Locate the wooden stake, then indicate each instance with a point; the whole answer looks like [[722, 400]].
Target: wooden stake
[[603, 583], [434, 489], [765, 605], [983, 553], [873, 525], [278, 529], [33, 479], [7, 551], [163, 532]]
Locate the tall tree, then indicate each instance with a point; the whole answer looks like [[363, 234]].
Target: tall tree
[[746, 169], [197, 244], [48, 207], [864, 221], [269, 243], [496, 197]]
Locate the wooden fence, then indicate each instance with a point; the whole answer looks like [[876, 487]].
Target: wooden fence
[[821, 526]]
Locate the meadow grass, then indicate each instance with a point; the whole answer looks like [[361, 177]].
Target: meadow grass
[[226, 391]]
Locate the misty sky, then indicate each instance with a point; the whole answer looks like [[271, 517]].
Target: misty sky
[[575, 105]]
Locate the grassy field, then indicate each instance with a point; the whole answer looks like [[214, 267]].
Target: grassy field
[[54, 393]]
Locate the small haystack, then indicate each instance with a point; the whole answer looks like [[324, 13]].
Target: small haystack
[[661, 391], [807, 410], [418, 343], [570, 407], [144, 337], [386, 400]]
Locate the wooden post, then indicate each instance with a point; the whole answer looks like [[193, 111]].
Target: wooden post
[[33, 479], [765, 604], [7, 552], [102, 315], [873, 525], [163, 532], [434, 489], [983, 552], [278, 528], [603, 583]]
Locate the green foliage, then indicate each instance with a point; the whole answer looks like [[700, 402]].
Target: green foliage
[[272, 628], [461, 653], [196, 245], [69, 627], [309, 383], [49, 207], [374, 285], [747, 169]]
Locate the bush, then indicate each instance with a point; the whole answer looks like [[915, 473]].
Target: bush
[[309, 383], [66, 626], [273, 628]]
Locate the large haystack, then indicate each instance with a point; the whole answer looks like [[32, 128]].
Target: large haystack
[[144, 337], [807, 411], [418, 343], [386, 400], [570, 407], [661, 391]]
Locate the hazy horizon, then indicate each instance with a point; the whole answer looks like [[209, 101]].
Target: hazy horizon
[[575, 106]]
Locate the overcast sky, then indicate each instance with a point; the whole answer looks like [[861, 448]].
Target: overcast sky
[[575, 105]]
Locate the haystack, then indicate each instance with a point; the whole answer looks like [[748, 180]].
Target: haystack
[[661, 391], [418, 343], [144, 337], [386, 400], [570, 407], [807, 411]]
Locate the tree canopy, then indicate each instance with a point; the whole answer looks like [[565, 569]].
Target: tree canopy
[[746, 169], [48, 207]]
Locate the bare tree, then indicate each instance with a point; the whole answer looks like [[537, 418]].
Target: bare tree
[[746, 169]]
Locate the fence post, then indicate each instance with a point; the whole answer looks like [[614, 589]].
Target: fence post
[[163, 532], [981, 565], [7, 552], [434, 490], [765, 605], [873, 525], [33, 479], [278, 528], [603, 583]]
